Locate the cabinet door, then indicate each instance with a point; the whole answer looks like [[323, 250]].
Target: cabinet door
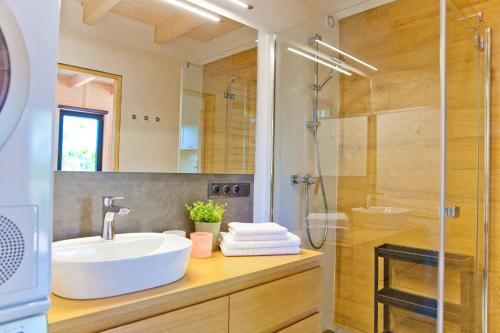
[[207, 317], [276, 305], [311, 324]]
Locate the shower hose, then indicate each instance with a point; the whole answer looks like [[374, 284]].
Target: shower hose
[[323, 194]]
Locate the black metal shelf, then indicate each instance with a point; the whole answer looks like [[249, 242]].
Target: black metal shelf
[[415, 303], [419, 304]]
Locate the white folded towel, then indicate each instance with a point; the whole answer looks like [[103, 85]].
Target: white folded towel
[[270, 237], [263, 251], [239, 228], [232, 244]]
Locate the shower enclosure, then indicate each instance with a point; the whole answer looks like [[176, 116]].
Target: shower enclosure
[[381, 161], [218, 110]]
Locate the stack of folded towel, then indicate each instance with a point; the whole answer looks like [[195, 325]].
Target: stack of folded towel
[[258, 239]]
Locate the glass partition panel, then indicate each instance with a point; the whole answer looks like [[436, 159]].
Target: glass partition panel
[[464, 168], [358, 160]]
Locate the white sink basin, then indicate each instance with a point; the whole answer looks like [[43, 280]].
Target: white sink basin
[[88, 268]]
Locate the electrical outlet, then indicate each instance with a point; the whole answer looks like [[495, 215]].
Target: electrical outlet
[[228, 189]]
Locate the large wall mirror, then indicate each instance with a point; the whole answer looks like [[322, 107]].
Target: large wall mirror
[[148, 87]]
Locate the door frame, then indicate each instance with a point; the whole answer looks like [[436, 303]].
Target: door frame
[[117, 104]]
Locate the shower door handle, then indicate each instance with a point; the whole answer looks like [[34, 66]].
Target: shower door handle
[[453, 212]]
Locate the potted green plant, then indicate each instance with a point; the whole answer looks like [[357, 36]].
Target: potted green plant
[[207, 217]]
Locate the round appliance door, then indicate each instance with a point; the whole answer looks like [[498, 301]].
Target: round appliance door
[[14, 73]]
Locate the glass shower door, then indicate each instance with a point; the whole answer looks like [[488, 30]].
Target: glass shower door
[[464, 225], [240, 125], [379, 146]]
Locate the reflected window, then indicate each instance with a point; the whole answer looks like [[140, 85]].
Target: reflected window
[[4, 70], [80, 141]]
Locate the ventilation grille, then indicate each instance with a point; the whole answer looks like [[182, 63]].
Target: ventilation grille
[[11, 248]]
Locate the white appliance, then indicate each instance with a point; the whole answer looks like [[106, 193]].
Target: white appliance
[[28, 65]]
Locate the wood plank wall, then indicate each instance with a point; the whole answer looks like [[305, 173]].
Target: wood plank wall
[[401, 101], [228, 149]]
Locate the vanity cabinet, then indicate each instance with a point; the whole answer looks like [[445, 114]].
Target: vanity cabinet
[[310, 324], [276, 305], [206, 317], [286, 305], [217, 295]]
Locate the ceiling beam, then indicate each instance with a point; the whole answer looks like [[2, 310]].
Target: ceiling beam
[[94, 10], [79, 80], [175, 27]]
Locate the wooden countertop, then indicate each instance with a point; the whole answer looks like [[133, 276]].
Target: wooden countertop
[[205, 279]]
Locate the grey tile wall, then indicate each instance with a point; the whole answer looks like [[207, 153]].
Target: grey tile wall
[[156, 201]]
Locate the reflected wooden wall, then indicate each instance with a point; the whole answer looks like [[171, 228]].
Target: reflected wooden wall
[[228, 144]]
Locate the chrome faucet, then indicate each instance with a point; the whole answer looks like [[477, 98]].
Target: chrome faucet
[[109, 211]]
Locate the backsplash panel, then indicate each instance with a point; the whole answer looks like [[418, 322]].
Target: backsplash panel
[[156, 201]]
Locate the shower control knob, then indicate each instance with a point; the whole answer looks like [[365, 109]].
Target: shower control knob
[[226, 189], [236, 189], [216, 189]]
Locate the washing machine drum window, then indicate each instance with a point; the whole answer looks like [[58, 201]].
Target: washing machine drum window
[[14, 73], [4, 70]]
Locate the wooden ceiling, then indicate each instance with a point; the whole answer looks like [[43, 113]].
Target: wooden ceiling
[[75, 80], [169, 21]]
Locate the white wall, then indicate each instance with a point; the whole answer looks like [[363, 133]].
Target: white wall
[[294, 148], [151, 86], [293, 141]]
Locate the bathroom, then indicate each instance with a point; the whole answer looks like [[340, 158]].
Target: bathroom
[[362, 131]]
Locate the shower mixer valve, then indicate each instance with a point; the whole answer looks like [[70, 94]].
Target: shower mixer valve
[[296, 179]]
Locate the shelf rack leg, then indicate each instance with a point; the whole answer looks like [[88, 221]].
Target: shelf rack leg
[[387, 284], [375, 292]]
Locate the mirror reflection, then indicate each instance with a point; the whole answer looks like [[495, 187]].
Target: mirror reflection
[[151, 88]]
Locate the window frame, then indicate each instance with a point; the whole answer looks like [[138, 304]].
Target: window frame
[[82, 113]]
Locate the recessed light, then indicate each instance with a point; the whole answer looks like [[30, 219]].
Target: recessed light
[[194, 10], [241, 4]]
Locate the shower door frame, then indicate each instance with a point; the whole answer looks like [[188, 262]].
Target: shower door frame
[[442, 195], [487, 152]]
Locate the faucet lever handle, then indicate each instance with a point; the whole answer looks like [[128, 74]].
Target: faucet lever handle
[[109, 201]]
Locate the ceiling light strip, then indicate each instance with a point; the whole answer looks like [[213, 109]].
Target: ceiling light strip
[[319, 61], [194, 10], [346, 54], [241, 4]]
